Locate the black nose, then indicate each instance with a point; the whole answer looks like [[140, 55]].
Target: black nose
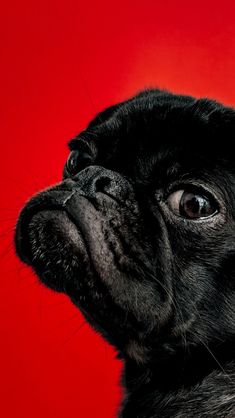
[[96, 179], [88, 183]]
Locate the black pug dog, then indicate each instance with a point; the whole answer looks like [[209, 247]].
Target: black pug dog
[[140, 234]]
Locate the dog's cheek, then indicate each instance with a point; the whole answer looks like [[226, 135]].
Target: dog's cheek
[[125, 265], [137, 352]]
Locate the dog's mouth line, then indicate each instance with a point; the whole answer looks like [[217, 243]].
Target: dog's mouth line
[[70, 227], [32, 256], [27, 215], [55, 200], [50, 245]]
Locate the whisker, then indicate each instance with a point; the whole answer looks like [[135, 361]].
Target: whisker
[[209, 350], [216, 360], [25, 183], [72, 335], [7, 232], [55, 305], [173, 302], [66, 320], [8, 219], [7, 249]]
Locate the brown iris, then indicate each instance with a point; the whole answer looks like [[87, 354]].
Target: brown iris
[[192, 204]]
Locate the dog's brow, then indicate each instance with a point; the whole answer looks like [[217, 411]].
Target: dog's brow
[[83, 140], [73, 144]]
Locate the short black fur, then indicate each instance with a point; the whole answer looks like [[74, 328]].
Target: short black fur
[[157, 285]]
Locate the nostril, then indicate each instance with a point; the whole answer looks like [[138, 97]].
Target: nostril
[[102, 183]]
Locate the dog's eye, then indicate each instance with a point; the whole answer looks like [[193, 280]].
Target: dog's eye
[[76, 161], [192, 204]]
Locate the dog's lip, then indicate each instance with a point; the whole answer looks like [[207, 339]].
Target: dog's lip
[[52, 199], [55, 244], [48, 200]]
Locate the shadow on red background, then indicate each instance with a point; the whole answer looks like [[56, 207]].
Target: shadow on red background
[[62, 62]]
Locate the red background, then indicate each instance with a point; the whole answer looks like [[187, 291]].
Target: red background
[[61, 62]]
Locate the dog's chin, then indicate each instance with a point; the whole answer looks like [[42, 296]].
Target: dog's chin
[[55, 248]]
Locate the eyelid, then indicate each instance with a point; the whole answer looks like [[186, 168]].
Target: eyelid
[[83, 145], [195, 187]]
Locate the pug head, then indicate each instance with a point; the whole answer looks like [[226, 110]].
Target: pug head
[[140, 233]]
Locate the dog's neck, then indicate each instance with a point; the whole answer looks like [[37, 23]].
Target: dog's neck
[[181, 387]]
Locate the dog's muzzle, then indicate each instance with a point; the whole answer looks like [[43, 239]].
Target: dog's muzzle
[[65, 198]]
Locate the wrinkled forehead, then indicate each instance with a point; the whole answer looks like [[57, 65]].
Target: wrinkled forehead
[[177, 132]]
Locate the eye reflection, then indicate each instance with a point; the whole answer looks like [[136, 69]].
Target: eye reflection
[[76, 161]]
